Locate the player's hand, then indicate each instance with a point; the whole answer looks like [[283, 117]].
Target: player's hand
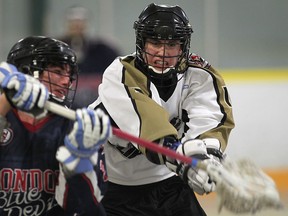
[[197, 179], [90, 131], [22, 91]]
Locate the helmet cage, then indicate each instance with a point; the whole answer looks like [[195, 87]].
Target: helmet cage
[[160, 22]]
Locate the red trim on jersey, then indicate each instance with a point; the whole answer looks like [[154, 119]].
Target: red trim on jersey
[[65, 196], [91, 188], [33, 128]]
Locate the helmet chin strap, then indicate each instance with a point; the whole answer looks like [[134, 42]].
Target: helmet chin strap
[[160, 72]]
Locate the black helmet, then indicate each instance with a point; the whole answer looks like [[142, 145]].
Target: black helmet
[[163, 22], [33, 54]]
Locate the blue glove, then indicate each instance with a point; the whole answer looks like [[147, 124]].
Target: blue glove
[[90, 131], [23, 91], [5, 70]]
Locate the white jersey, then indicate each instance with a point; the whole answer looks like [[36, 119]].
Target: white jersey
[[198, 107]]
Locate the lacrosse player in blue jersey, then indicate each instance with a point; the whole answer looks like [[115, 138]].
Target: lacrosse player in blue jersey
[[34, 141]]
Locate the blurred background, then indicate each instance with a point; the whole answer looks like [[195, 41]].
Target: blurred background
[[247, 41], [230, 33]]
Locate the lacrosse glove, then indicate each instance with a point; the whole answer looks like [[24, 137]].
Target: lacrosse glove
[[23, 91], [213, 149], [197, 179], [90, 131]]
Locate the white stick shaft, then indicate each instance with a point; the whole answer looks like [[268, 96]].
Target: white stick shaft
[[60, 110]]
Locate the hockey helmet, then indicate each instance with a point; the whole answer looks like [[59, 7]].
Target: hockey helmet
[[33, 54], [163, 22]]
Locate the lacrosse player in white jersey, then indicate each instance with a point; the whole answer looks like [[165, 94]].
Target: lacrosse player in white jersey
[[163, 94]]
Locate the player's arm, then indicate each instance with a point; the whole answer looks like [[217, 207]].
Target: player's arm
[[82, 193], [210, 116], [224, 116], [4, 109], [82, 169], [209, 121], [4, 105]]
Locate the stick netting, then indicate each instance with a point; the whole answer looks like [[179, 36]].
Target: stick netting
[[244, 188]]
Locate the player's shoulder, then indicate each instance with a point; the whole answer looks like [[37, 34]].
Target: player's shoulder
[[128, 58], [118, 62], [196, 61]]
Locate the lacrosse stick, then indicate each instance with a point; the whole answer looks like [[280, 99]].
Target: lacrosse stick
[[241, 186]]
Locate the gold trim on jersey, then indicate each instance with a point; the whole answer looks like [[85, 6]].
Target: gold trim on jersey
[[223, 129], [154, 119]]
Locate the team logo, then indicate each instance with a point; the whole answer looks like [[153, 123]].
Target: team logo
[[6, 137], [199, 61]]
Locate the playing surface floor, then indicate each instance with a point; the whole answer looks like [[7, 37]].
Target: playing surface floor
[[209, 203]]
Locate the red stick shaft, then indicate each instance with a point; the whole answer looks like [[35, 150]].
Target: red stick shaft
[[70, 114], [154, 146]]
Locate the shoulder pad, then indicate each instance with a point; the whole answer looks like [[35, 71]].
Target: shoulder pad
[[198, 61]]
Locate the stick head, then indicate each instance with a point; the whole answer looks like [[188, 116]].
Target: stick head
[[244, 188]]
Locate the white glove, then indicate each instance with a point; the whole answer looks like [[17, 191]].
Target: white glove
[[90, 131], [26, 92], [197, 179]]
